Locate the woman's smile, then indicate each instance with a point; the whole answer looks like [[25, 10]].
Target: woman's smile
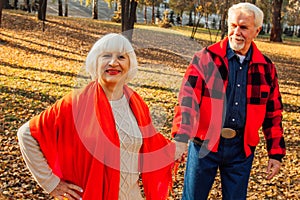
[[113, 72]]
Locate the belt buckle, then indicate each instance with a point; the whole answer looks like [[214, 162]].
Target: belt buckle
[[228, 133]]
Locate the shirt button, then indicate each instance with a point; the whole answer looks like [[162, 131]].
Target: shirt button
[[241, 68], [238, 85], [236, 103], [233, 120]]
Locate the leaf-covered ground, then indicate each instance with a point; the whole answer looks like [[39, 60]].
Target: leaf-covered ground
[[37, 68]]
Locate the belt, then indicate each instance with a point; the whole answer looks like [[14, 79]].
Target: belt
[[229, 133], [226, 133]]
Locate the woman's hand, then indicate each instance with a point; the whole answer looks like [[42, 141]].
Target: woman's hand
[[181, 150], [65, 191]]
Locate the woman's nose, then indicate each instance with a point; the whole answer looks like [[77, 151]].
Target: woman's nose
[[113, 61]]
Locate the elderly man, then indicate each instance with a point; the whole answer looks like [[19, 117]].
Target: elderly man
[[230, 90]]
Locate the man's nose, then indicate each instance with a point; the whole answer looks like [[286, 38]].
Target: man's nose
[[237, 30]]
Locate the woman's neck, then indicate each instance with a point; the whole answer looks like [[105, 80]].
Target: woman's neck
[[113, 92]]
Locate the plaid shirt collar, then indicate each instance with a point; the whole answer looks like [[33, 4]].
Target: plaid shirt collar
[[230, 53], [221, 47]]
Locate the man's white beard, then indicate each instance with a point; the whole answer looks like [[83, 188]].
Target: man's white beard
[[236, 47]]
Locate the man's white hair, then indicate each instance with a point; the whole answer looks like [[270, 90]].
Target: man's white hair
[[248, 8], [111, 42]]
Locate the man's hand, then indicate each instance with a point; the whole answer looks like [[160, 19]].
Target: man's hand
[[181, 149], [66, 191], [273, 168]]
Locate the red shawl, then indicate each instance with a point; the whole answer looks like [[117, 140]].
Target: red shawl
[[78, 138]]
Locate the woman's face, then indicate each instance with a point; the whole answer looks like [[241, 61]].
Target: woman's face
[[113, 68]]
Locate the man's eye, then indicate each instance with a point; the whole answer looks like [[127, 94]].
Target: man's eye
[[121, 57]]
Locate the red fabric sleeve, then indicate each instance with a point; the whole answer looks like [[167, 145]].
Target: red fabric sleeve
[[272, 125], [45, 129]]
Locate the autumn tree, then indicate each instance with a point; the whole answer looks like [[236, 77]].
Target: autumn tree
[[292, 13], [60, 8], [42, 10], [94, 4], [1, 8], [154, 3], [66, 8], [266, 7], [179, 6], [208, 8], [142, 5], [95, 9], [153, 11], [128, 17], [27, 5], [224, 10], [276, 30]]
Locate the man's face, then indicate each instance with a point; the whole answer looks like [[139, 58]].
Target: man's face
[[241, 31]]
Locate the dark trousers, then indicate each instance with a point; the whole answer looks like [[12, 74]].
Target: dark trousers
[[202, 166]]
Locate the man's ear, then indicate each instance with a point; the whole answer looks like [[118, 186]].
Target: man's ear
[[258, 30]]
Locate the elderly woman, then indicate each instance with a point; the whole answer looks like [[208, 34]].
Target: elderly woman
[[96, 142]]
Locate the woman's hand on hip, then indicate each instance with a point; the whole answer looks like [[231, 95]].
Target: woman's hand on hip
[[65, 191]]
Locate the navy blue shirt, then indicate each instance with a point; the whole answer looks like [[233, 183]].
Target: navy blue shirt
[[235, 115]]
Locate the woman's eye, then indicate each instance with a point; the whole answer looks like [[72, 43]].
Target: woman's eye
[[121, 57], [106, 55]]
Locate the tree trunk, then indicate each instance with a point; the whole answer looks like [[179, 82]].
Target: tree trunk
[[60, 8], [276, 30], [15, 4], [124, 14], [223, 21], [153, 12], [42, 10], [128, 13], [116, 5], [190, 18], [195, 27], [95, 9], [145, 14], [66, 8], [6, 4], [132, 16], [1, 8], [28, 5]]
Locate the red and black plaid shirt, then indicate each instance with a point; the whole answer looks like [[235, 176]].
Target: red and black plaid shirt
[[202, 94]]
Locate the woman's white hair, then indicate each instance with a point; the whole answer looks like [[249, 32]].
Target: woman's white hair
[[248, 8], [111, 42]]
